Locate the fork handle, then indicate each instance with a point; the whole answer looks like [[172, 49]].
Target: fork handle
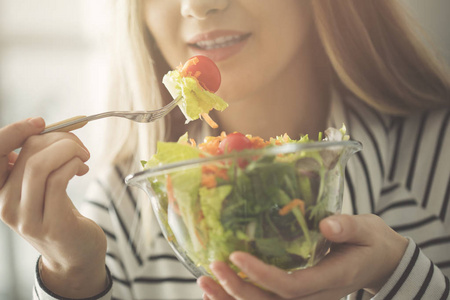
[[72, 125]]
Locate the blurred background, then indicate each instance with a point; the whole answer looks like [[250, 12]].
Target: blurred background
[[53, 63]]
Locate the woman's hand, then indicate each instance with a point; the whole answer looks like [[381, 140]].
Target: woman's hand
[[34, 203], [364, 254]]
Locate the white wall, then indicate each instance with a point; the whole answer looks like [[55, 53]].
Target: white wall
[[433, 15], [52, 64]]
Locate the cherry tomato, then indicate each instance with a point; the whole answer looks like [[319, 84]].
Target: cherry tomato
[[234, 142], [206, 71]]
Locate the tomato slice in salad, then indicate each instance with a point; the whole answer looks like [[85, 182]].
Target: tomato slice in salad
[[235, 141], [205, 70]]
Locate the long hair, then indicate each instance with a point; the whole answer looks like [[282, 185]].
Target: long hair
[[371, 46], [376, 53], [134, 85]]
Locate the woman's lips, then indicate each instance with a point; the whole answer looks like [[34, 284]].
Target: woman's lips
[[218, 45]]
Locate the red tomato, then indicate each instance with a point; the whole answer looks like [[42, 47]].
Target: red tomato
[[206, 71], [234, 142]]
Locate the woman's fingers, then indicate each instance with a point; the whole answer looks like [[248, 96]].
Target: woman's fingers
[[15, 134], [362, 243], [12, 157], [22, 196], [55, 192], [33, 146], [272, 278], [332, 274], [213, 290], [12, 137], [370, 231], [349, 229], [33, 200], [231, 285], [43, 172]]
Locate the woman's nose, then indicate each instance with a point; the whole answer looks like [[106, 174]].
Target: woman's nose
[[201, 9]]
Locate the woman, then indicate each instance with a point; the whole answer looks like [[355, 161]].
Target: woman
[[303, 65]]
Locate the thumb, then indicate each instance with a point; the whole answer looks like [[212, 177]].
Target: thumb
[[15, 134], [357, 229]]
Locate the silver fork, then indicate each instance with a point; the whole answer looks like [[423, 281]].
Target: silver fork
[[137, 116]]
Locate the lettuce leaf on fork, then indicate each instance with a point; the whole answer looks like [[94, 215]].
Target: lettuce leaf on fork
[[196, 100]]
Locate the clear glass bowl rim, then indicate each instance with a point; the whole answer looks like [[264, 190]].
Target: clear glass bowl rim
[[133, 179]]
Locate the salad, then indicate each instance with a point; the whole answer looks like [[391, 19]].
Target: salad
[[196, 82], [267, 205]]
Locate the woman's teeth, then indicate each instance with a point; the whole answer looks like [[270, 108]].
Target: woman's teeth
[[220, 42]]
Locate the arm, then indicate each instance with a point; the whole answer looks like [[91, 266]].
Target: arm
[[106, 198], [41, 292], [34, 203]]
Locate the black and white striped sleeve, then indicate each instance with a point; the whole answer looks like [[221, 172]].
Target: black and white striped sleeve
[[416, 277], [414, 201], [41, 292], [99, 206], [403, 175]]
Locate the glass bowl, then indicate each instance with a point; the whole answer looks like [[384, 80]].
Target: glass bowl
[[267, 202]]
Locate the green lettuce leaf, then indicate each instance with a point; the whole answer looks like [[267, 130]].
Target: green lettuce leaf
[[196, 100], [185, 183], [169, 152], [211, 200]]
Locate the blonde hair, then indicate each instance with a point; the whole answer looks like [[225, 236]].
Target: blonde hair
[[370, 44], [134, 86]]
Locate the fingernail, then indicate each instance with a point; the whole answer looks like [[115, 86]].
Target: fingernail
[[87, 152], [84, 169], [206, 288], [235, 259], [37, 122], [335, 226], [218, 273], [85, 155]]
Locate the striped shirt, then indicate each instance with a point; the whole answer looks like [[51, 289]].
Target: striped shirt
[[402, 175]]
